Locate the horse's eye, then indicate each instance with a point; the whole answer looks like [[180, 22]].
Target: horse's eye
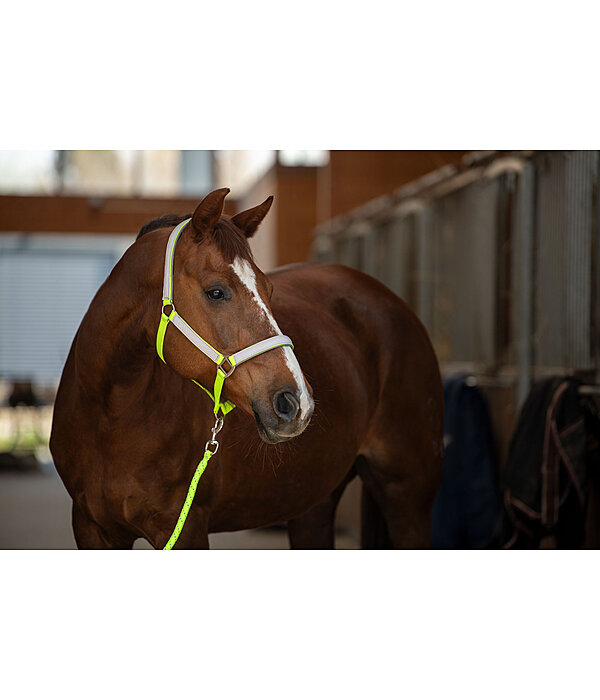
[[215, 294]]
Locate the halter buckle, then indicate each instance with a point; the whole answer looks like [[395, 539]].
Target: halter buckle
[[226, 373]]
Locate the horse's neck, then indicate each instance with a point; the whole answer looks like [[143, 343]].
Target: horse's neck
[[114, 352]]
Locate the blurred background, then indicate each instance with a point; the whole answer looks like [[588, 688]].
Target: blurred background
[[496, 251]]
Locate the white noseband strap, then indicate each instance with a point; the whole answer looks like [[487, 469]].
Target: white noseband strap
[[218, 358]]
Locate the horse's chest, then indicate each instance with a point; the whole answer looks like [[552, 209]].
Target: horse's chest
[[272, 486]]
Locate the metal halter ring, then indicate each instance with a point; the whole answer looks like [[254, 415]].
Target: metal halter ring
[[223, 370], [168, 302]]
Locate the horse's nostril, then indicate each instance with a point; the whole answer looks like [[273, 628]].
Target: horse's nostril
[[286, 405]]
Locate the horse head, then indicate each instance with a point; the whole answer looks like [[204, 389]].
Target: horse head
[[225, 298]]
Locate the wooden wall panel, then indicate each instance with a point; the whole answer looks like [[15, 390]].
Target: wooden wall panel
[[353, 178], [121, 215], [297, 212], [285, 235]]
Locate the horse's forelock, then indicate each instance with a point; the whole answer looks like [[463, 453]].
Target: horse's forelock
[[230, 240]]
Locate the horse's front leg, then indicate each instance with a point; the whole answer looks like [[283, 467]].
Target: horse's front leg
[[316, 528], [91, 535]]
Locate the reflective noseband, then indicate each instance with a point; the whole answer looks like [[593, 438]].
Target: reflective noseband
[[218, 358]]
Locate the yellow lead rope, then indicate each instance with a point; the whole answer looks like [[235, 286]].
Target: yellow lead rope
[[208, 453], [188, 500]]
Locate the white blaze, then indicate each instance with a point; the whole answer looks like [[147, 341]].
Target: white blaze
[[244, 271]]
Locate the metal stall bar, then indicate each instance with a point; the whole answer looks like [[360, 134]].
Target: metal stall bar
[[526, 241]]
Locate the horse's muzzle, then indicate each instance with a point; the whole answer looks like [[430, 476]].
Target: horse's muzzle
[[283, 419]]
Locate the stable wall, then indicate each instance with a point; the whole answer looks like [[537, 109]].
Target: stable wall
[[352, 178], [122, 215]]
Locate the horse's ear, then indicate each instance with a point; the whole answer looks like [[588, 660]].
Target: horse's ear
[[248, 221], [209, 211]]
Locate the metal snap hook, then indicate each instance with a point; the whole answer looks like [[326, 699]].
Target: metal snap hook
[[208, 449]]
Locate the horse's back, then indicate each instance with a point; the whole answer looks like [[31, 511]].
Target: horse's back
[[360, 325]]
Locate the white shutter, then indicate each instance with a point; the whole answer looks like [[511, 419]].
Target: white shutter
[[43, 297]]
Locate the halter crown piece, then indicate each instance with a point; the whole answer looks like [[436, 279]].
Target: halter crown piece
[[276, 341]]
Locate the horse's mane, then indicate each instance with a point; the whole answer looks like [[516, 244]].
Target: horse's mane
[[165, 221], [228, 237]]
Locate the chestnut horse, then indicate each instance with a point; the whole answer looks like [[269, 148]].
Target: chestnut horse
[[360, 394]]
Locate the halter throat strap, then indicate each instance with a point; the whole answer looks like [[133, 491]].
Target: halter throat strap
[[170, 315]]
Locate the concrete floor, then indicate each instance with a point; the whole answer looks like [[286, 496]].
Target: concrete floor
[[35, 513]]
